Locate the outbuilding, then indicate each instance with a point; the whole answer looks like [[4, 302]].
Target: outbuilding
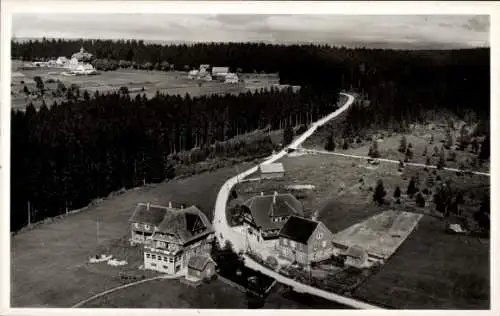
[[272, 170], [200, 267]]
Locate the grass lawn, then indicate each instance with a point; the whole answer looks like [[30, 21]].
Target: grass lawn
[[216, 294], [49, 263], [429, 258], [433, 270]]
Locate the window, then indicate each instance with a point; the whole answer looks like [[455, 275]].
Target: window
[[292, 243], [319, 235], [323, 243], [148, 255], [153, 257], [315, 246], [136, 225], [165, 267], [171, 260], [285, 241]]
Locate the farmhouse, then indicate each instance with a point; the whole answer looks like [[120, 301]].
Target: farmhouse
[[272, 170], [356, 257], [220, 72], [62, 61], [304, 241], [82, 56], [200, 267], [145, 220], [181, 234], [264, 215]]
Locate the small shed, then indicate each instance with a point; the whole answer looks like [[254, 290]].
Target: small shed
[[200, 267], [272, 170], [356, 257]]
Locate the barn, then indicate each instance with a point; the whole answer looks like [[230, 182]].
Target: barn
[[271, 171]]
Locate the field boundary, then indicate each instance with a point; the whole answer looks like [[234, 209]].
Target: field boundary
[[414, 164]]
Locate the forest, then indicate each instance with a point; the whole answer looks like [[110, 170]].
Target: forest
[[70, 153], [65, 156]]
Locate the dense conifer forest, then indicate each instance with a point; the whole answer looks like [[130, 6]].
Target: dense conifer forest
[[68, 154]]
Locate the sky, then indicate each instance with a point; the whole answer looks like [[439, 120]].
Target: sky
[[389, 31]]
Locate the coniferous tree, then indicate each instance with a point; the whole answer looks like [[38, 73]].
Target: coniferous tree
[[379, 193]]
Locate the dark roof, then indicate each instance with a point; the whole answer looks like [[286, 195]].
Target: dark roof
[[186, 224], [151, 215], [298, 229], [263, 208], [198, 262]]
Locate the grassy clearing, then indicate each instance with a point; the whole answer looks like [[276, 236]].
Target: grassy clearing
[[342, 200], [420, 137], [61, 276], [173, 82]]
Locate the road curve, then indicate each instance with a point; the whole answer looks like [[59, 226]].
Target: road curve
[[222, 228], [415, 164]]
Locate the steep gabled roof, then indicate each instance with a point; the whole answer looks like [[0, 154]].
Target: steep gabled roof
[[186, 224], [263, 209], [146, 213], [199, 262], [298, 229]]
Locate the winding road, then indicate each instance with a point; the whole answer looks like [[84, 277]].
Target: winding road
[[221, 226]]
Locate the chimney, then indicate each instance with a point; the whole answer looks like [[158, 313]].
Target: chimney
[[274, 196], [169, 204], [147, 206], [261, 193]]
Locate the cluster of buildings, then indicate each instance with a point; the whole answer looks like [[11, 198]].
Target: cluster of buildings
[[78, 64], [279, 217], [176, 240], [208, 73]]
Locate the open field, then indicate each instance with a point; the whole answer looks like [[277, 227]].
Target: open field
[[423, 138], [343, 197], [172, 82], [61, 276], [380, 235]]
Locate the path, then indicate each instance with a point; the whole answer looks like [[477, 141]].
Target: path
[[222, 228], [317, 151], [80, 304]]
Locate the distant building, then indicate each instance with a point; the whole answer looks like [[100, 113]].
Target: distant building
[[356, 257], [204, 67], [304, 241], [193, 74], [264, 215], [82, 56], [62, 61], [171, 236], [220, 72], [231, 78], [272, 170], [200, 267]]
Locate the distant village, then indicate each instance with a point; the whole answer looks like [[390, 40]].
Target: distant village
[[79, 64]]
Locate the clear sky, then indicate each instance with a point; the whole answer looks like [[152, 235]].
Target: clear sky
[[397, 31]]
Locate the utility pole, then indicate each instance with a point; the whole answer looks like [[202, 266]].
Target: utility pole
[[29, 214], [97, 232]]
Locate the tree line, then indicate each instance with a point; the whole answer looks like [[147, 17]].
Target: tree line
[[85, 148]]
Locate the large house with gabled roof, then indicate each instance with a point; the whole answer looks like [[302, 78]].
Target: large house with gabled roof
[[304, 241], [264, 215], [171, 235]]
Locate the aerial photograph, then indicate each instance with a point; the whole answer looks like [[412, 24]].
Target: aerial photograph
[[250, 161]]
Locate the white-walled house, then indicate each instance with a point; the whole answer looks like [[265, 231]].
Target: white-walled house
[[231, 78], [172, 237]]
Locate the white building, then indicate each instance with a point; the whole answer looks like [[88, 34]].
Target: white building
[[193, 74], [272, 170], [220, 72], [62, 61], [231, 78], [80, 68]]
